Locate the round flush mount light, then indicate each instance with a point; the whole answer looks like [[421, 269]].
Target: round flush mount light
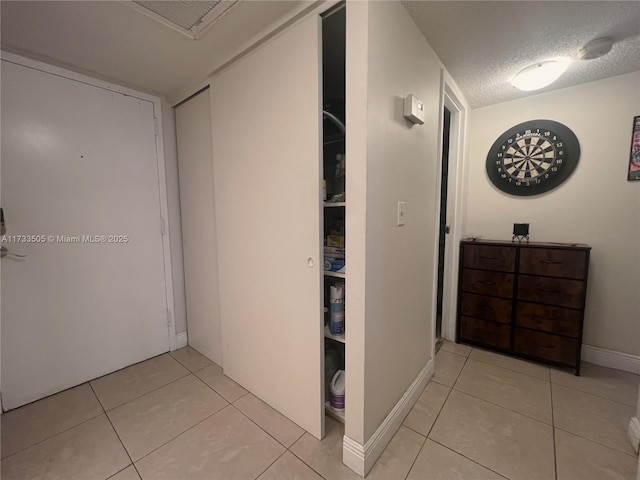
[[539, 75], [595, 48]]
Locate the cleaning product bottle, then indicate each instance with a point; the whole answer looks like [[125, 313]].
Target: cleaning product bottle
[[336, 309], [337, 391], [339, 177]]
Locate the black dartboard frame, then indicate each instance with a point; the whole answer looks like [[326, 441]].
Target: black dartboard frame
[[533, 157]]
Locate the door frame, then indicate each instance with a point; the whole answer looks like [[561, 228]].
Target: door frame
[[453, 99], [163, 223]]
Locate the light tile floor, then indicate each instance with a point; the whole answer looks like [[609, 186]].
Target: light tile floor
[[176, 416]]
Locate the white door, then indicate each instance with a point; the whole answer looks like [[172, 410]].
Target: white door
[[266, 112], [193, 130], [80, 184]]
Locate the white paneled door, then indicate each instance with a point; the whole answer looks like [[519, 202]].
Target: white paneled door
[[266, 123], [81, 197]]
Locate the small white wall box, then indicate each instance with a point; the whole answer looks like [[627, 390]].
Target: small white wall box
[[413, 109]]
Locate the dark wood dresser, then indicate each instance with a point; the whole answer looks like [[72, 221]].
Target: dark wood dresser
[[524, 299]]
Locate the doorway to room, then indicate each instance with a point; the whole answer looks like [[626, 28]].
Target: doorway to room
[[444, 229], [451, 192]]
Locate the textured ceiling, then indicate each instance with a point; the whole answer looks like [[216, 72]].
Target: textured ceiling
[[484, 44], [113, 41]]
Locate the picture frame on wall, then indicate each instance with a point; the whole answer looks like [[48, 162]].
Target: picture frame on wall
[[634, 160]]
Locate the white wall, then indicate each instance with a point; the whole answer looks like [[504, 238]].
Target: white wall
[[596, 205], [401, 165], [173, 203]]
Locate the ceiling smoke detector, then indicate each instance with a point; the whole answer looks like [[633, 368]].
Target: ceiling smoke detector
[[191, 18], [596, 48]]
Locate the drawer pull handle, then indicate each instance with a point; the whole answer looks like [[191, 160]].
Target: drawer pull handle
[[484, 257], [539, 318], [551, 262], [548, 290], [486, 282]]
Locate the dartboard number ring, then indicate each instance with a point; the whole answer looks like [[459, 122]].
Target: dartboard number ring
[[533, 157]]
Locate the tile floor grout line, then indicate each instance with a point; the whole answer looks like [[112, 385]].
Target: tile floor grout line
[[120, 440], [251, 420], [303, 461], [468, 458], [128, 366], [104, 410], [445, 400], [271, 464], [197, 369], [225, 398], [466, 360], [439, 412], [633, 455], [497, 405], [142, 395], [453, 353], [54, 435], [415, 431], [215, 391], [515, 371], [442, 408], [182, 433], [424, 442], [591, 393], [8, 412], [120, 471], [502, 406]]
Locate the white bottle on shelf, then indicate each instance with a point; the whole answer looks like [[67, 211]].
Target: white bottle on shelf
[[336, 309]]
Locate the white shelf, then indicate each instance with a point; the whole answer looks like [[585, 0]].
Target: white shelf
[[335, 204], [337, 338], [337, 415], [335, 274]]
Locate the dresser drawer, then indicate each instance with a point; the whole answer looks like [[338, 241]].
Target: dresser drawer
[[548, 318], [488, 308], [488, 283], [488, 257], [545, 346], [552, 291], [553, 262], [487, 333]]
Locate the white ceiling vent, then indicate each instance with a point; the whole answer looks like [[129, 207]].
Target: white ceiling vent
[[191, 18]]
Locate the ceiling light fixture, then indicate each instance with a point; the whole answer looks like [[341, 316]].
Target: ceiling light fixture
[[539, 75]]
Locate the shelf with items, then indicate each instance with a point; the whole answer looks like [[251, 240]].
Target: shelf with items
[[333, 207], [334, 242], [334, 301], [338, 338], [328, 273]]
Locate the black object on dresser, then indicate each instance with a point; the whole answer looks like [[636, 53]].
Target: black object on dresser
[[523, 299]]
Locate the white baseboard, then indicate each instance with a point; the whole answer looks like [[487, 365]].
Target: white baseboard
[[611, 359], [360, 458], [181, 340], [633, 433]]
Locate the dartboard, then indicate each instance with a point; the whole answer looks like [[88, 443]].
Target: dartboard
[[533, 157]]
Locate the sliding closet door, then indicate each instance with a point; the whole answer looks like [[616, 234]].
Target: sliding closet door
[[193, 131], [266, 148]]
